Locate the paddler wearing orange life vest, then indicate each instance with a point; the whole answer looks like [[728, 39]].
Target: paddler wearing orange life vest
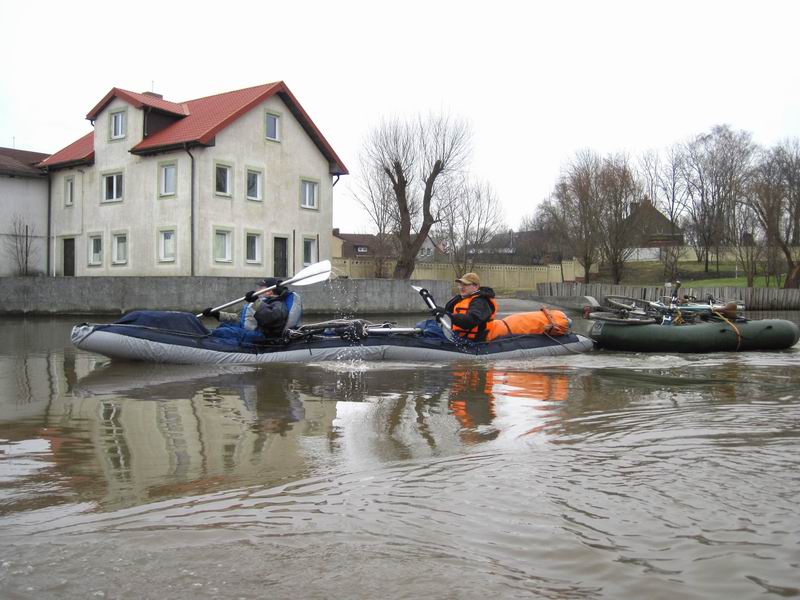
[[471, 309]]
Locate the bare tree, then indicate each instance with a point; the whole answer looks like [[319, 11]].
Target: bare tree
[[772, 199], [417, 158], [750, 247], [376, 198], [20, 245], [715, 169], [471, 224], [618, 193], [671, 199], [788, 153], [573, 210]]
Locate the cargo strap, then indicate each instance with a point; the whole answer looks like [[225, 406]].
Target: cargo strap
[[735, 329]]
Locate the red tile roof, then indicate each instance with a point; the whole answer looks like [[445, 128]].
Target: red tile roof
[[138, 101], [200, 120], [79, 152]]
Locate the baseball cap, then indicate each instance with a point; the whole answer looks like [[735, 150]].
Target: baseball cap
[[469, 279]]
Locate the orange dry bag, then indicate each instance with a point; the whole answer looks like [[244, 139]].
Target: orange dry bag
[[550, 322]]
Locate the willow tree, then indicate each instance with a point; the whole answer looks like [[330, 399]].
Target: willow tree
[[418, 157]]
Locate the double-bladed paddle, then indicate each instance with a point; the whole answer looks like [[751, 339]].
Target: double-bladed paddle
[[315, 273]]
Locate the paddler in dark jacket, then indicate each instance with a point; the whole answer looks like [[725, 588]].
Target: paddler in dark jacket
[[471, 309], [267, 312]]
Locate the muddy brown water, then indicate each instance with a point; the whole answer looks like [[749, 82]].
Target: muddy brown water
[[604, 475]]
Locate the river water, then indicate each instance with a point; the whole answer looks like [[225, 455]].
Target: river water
[[604, 475]]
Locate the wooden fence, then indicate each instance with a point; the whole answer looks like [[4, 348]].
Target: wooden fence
[[753, 298]]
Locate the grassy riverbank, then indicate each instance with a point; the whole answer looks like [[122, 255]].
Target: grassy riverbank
[[691, 272]]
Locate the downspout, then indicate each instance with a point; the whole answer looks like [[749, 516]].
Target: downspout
[[336, 181], [191, 194], [294, 252], [50, 246]]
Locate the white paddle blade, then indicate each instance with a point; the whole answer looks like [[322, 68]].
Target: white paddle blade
[[315, 273], [319, 277]]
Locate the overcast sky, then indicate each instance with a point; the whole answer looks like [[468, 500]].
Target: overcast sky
[[538, 81]]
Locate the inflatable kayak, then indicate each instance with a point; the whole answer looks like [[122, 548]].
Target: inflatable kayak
[[181, 338], [642, 335]]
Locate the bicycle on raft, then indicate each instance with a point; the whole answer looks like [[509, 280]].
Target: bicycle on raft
[[668, 310]]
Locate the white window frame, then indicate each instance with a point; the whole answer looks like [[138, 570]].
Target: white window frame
[[228, 258], [259, 247], [95, 262], [228, 179], [162, 179], [121, 117], [259, 184], [162, 257], [305, 185], [277, 117], [361, 249], [115, 259], [69, 191], [314, 251], [118, 187]]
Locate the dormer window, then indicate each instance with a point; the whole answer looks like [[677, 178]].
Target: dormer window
[[118, 125], [362, 249]]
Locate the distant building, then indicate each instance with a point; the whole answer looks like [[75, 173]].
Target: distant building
[[520, 248], [650, 228], [368, 245], [23, 202], [234, 184]]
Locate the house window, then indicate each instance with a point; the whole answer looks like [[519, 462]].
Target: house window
[[273, 127], [112, 187], [253, 248], [119, 249], [253, 184], [362, 249], [166, 245], [309, 251], [167, 176], [308, 194], [222, 180], [222, 245], [69, 191], [117, 125], [95, 250]]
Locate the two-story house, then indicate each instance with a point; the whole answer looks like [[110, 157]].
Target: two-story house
[[235, 184]]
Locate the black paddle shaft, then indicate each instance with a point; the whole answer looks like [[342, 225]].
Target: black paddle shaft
[[426, 296]]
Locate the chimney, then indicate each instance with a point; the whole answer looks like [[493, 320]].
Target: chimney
[[336, 231], [154, 95]]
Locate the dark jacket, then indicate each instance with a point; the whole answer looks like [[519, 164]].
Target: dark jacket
[[480, 309], [271, 314]]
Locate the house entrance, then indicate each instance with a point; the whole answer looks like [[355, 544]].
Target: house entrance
[[69, 257], [280, 266]]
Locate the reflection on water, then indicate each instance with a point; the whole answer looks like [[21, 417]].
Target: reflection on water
[[604, 474]]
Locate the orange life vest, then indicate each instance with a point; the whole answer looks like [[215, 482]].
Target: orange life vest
[[476, 334], [551, 322]]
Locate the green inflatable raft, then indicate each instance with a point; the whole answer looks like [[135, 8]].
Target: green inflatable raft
[[709, 336]]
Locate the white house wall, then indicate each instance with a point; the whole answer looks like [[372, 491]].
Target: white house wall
[[142, 213], [243, 144], [26, 198]]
